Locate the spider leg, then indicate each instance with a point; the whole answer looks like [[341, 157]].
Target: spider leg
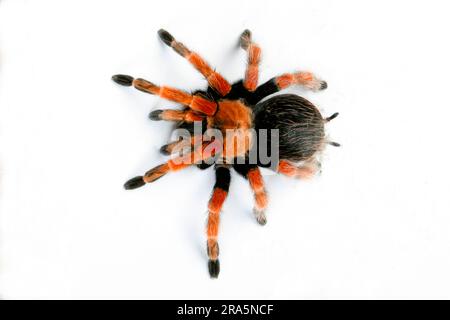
[[261, 200], [215, 80], [304, 79], [175, 115], [254, 58], [304, 171], [200, 153], [216, 201], [196, 102], [256, 181], [181, 145]]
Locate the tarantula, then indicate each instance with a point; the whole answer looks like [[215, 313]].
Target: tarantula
[[236, 111]]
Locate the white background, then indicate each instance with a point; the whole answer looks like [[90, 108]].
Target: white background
[[375, 224]]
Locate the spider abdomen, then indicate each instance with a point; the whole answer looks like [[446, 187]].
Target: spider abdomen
[[300, 125]]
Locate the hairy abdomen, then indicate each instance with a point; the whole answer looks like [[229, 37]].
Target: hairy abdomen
[[300, 125]]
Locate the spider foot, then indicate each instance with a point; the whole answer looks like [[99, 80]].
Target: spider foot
[[323, 85], [214, 268], [245, 39], [316, 85], [134, 183], [166, 37], [165, 150], [123, 79], [260, 216], [155, 115]]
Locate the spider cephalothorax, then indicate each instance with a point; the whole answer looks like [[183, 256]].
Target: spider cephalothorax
[[238, 114]]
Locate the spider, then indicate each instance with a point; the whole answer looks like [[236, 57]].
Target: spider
[[234, 110]]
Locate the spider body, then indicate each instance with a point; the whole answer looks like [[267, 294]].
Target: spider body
[[239, 113]]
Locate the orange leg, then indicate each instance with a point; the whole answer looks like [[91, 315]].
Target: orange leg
[[195, 102], [201, 153], [254, 58], [261, 199], [218, 197], [176, 115], [304, 171], [305, 79], [181, 145], [174, 147], [215, 80]]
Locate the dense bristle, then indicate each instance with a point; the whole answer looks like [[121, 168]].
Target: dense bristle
[[260, 216], [300, 124], [165, 150], [214, 268], [155, 115], [165, 37], [123, 79], [323, 85], [245, 39], [134, 183]]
